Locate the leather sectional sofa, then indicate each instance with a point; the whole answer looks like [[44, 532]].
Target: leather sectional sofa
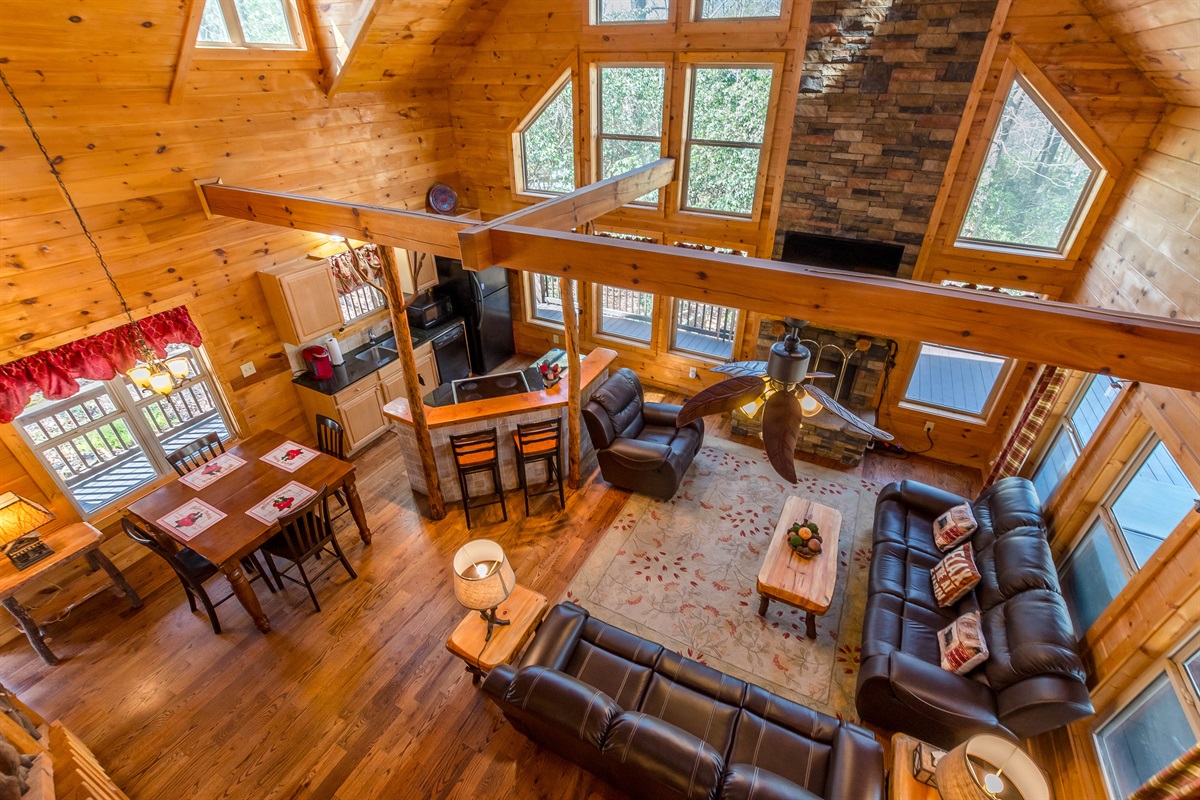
[[663, 726], [1033, 680]]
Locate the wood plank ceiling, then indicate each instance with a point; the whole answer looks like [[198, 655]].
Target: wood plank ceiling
[[1162, 37]]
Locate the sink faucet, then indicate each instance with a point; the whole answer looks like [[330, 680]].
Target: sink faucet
[[371, 337]]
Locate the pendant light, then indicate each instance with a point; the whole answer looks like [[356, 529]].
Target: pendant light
[[158, 375]]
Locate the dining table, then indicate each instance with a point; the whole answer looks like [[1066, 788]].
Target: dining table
[[238, 534]]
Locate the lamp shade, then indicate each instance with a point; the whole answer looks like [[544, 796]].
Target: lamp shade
[[483, 578], [988, 767], [19, 516]]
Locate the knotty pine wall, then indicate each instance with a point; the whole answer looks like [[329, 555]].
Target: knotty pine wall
[[1145, 260]]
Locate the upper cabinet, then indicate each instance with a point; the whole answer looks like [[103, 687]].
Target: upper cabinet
[[421, 272], [303, 300]]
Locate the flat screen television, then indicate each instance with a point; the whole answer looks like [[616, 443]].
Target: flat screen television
[[839, 252]]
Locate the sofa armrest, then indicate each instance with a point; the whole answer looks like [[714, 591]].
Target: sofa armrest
[[856, 765], [922, 497], [560, 701], [1043, 703], [664, 414], [638, 456], [556, 637], [496, 684], [746, 782], [939, 693]]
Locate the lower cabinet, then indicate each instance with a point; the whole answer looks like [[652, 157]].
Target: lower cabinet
[[427, 374], [362, 416]]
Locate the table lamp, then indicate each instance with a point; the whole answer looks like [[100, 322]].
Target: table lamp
[[483, 579], [20, 517], [989, 767]]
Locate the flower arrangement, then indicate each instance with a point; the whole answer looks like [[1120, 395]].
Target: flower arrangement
[[551, 375], [805, 539]]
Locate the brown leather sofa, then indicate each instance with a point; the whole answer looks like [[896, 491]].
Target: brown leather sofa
[[662, 726], [637, 443], [1033, 680]]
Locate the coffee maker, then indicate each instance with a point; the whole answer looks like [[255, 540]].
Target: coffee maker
[[317, 360]]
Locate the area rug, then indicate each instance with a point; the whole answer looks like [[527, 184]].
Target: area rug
[[683, 573]]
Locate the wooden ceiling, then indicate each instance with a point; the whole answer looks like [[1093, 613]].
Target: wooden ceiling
[[1162, 37]]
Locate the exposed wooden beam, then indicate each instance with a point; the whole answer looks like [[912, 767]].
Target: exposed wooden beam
[[193, 13], [360, 28], [569, 211], [412, 230], [1150, 349]]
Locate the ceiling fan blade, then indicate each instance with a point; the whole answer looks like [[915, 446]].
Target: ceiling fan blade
[[724, 396], [820, 375], [780, 432], [742, 368], [837, 408]]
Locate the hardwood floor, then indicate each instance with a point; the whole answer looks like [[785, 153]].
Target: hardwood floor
[[359, 701]]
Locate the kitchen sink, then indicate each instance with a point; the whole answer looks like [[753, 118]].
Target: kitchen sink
[[378, 353]]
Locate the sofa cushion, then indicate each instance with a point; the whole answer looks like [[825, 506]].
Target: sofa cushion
[[695, 697], [962, 644], [1030, 635], [616, 662], [954, 576], [746, 782], [1004, 506], [561, 701], [621, 398], [645, 750], [953, 526], [784, 738], [892, 623], [1017, 562], [896, 524]]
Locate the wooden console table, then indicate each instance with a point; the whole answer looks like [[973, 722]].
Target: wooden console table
[[524, 609]]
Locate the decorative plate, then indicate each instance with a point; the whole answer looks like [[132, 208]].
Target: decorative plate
[[442, 199]]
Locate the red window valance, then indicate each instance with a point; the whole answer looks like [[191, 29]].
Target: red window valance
[[346, 276], [99, 358]]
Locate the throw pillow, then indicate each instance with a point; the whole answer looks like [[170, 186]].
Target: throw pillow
[[953, 526], [962, 645], [954, 576]]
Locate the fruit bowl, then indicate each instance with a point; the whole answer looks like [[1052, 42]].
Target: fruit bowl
[[805, 539]]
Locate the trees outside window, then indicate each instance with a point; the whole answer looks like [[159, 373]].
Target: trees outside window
[[547, 146], [606, 11], [740, 9], [249, 23], [630, 129]]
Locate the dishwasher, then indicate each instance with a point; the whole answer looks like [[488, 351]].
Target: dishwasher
[[450, 352]]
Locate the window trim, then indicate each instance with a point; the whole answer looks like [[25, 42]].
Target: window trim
[[1008, 369], [673, 328], [596, 64], [301, 37], [1063, 424], [569, 76], [531, 304], [1019, 67]]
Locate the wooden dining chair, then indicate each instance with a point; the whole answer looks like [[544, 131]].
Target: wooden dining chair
[[331, 440], [191, 568], [195, 453], [303, 534], [540, 442]]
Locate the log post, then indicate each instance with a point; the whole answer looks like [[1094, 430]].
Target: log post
[[574, 412], [408, 361]]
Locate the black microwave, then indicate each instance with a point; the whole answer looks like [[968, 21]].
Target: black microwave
[[426, 310]]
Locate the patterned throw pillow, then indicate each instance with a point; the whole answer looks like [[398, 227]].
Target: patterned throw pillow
[[954, 576], [953, 526], [962, 645]]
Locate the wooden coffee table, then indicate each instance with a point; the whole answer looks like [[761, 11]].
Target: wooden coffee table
[[805, 583], [524, 610]]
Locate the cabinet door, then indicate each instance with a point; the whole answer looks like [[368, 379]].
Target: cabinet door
[[362, 417], [393, 386], [424, 268], [427, 374], [312, 303]]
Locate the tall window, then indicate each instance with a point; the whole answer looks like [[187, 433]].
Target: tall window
[[705, 329], [1036, 181], [249, 23], [546, 298], [740, 9], [1155, 728], [113, 437], [954, 380], [1072, 434], [1130, 525], [631, 10], [631, 120], [547, 146], [626, 313], [727, 123]]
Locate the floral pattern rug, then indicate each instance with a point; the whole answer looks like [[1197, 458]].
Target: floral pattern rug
[[683, 573]]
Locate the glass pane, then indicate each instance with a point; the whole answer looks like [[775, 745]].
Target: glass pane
[[631, 101], [704, 328], [632, 10], [958, 380], [547, 298], [548, 146], [1142, 740], [730, 105], [212, 24], [1031, 181], [1096, 400], [625, 312], [1155, 501], [263, 21], [1092, 578], [722, 178], [1192, 667], [622, 155], [724, 9], [1059, 458]]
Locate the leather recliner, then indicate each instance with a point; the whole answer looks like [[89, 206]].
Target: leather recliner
[[1033, 679], [663, 726], [637, 443]]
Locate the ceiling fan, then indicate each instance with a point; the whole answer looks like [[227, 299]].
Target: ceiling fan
[[783, 385]]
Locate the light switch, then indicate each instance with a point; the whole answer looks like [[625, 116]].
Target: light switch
[[248, 369]]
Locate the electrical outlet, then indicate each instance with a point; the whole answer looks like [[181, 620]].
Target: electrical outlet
[[692, 372], [556, 338], [248, 369], [928, 427]]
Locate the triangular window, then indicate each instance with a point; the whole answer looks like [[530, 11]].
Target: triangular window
[[547, 146]]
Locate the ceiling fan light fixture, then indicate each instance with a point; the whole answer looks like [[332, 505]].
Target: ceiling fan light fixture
[[809, 406], [788, 362]]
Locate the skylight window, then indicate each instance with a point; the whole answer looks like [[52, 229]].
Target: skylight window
[[740, 9], [547, 146], [1036, 182], [631, 10], [631, 120], [249, 23]]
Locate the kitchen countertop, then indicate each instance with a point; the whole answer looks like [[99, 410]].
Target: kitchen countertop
[[355, 369], [444, 394]]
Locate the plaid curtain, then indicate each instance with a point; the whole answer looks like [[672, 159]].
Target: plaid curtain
[[1178, 780], [1033, 419]]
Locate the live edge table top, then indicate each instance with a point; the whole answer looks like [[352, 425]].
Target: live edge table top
[[805, 583]]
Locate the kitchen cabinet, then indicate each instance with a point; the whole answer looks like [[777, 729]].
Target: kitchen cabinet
[[361, 415], [303, 300], [421, 266], [427, 374]]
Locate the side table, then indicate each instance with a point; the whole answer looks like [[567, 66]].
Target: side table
[[901, 783], [524, 610], [68, 543]]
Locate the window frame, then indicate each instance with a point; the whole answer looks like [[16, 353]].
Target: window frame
[[1065, 426], [531, 316], [697, 15], [1068, 122], [597, 64], [517, 162], [233, 24], [1008, 368], [591, 17]]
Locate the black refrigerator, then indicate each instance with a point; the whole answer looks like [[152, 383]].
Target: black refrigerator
[[481, 298]]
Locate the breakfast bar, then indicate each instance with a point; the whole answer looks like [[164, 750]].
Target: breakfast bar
[[502, 412]]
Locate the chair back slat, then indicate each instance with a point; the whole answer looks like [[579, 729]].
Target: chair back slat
[[471, 449], [540, 436], [195, 453], [308, 527], [168, 552], [331, 438]]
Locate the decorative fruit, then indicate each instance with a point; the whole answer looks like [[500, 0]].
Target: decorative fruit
[[812, 526], [804, 533], [795, 541], [815, 545]]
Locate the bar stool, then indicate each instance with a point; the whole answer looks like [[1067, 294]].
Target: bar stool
[[478, 452], [539, 441]]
